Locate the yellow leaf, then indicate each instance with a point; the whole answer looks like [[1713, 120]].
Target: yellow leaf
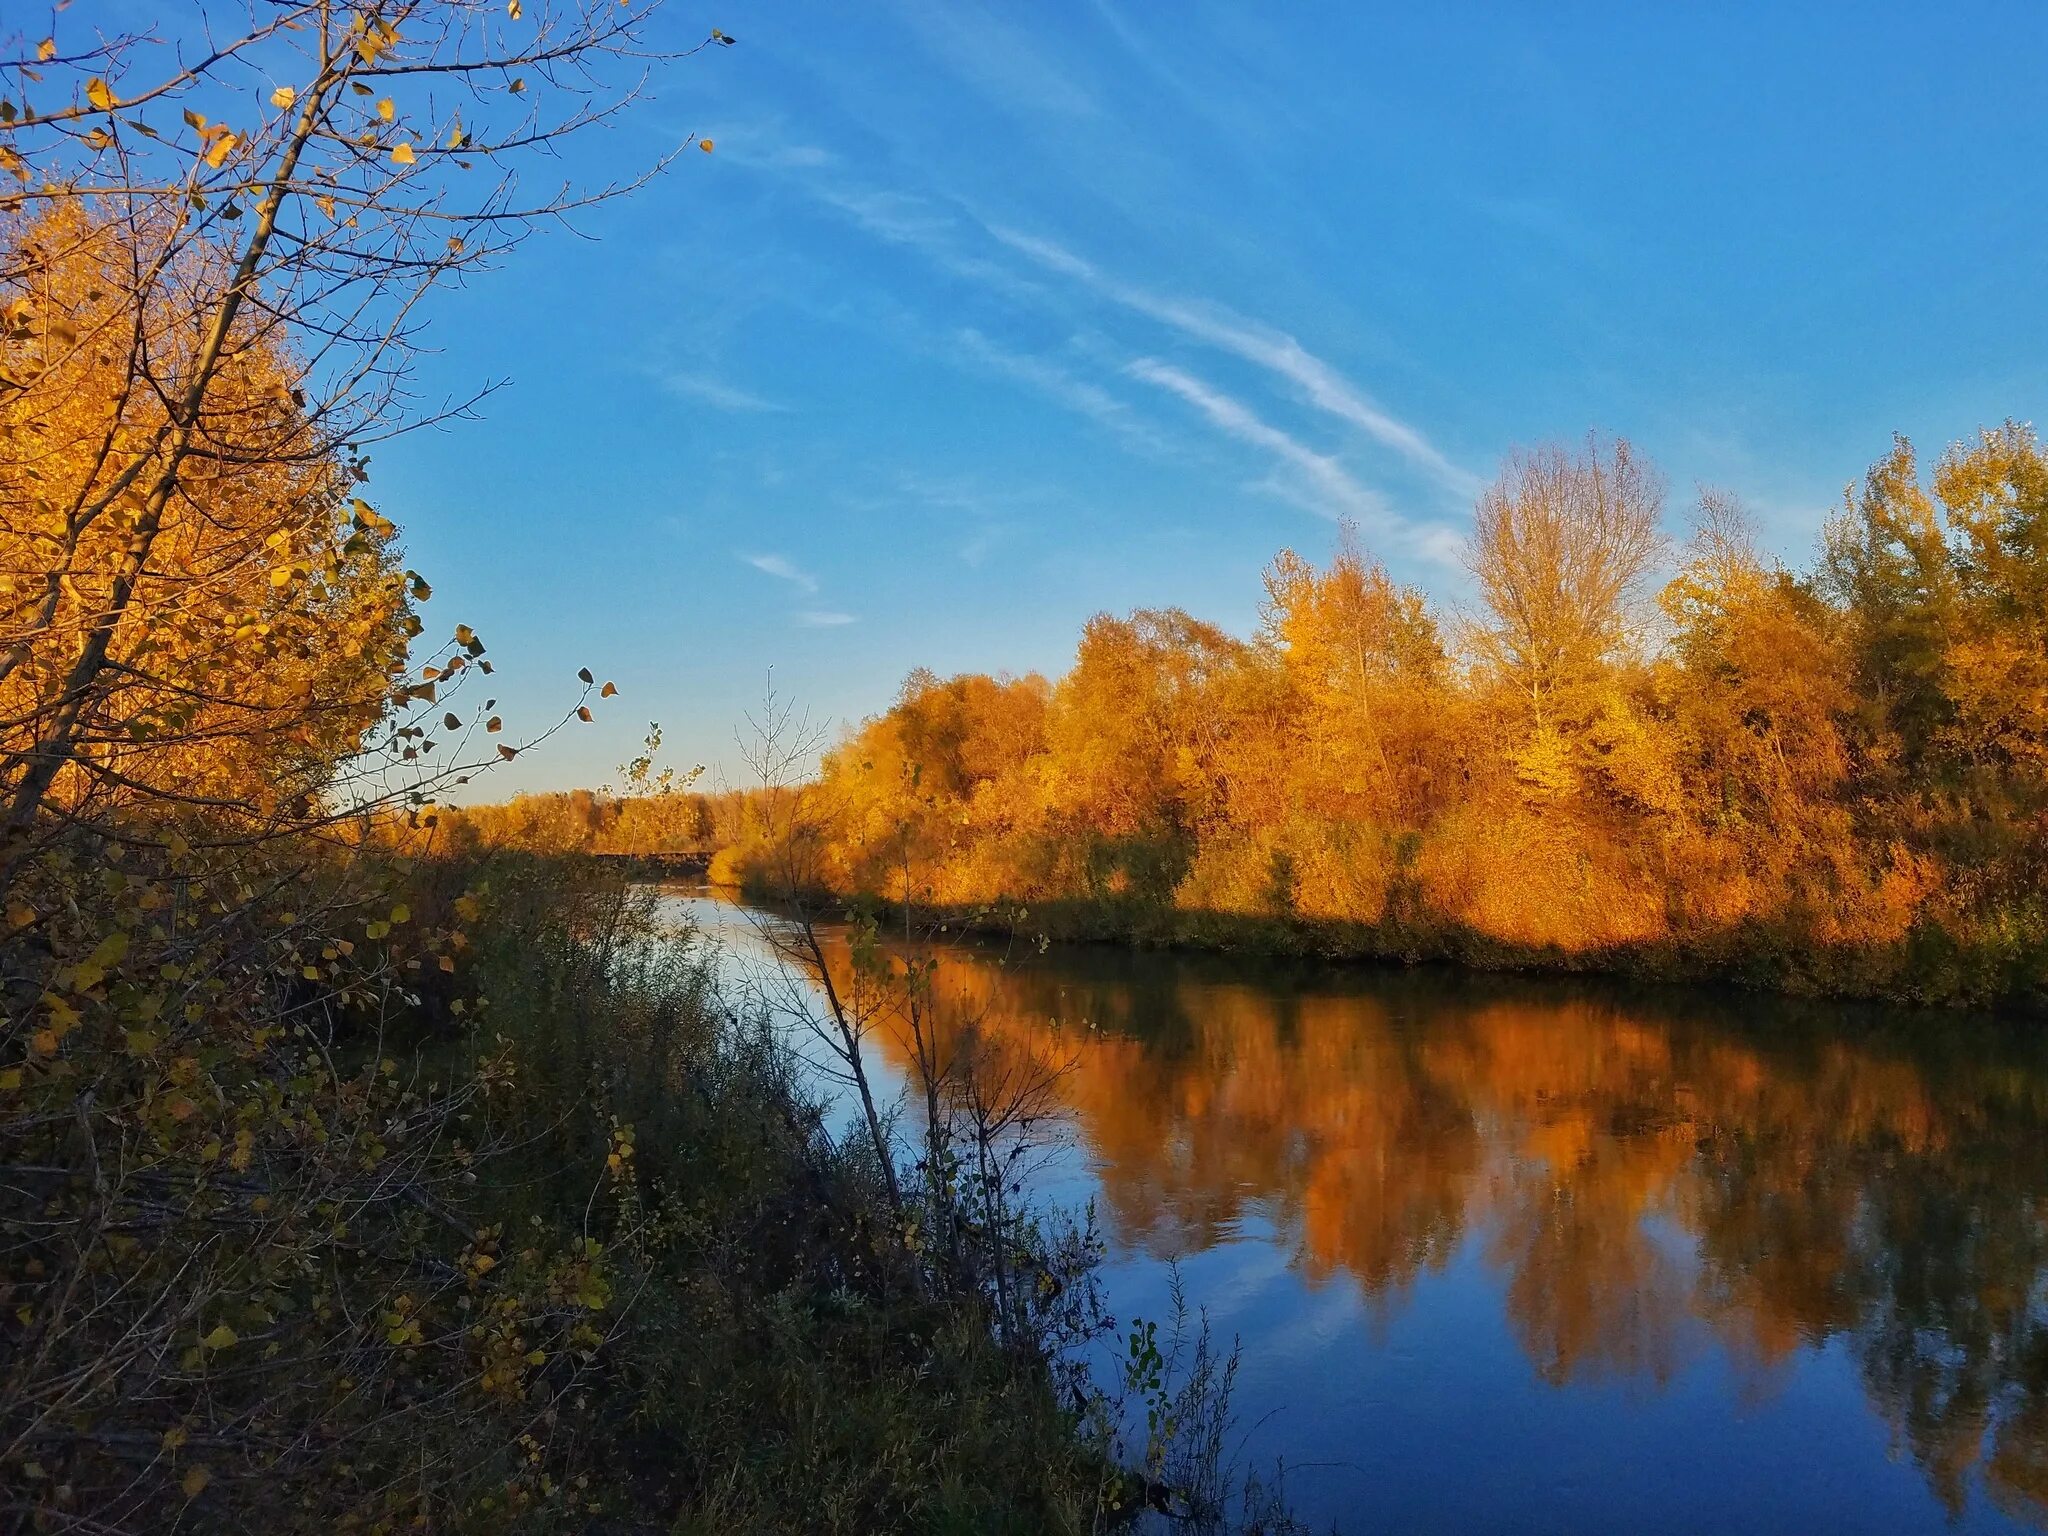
[[195, 1482], [92, 970], [222, 1337], [705, 145], [401, 154], [387, 109], [175, 1436], [98, 93], [401, 913], [20, 914], [283, 97], [513, 9], [222, 148], [46, 50]]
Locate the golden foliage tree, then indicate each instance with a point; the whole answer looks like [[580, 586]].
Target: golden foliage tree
[[1833, 780], [241, 1290]]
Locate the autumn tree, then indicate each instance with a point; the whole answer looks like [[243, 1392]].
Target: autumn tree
[[1834, 778], [259, 637], [1372, 671], [1946, 586], [1133, 730], [253, 217], [948, 762], [242, 1294], [1561, 545]]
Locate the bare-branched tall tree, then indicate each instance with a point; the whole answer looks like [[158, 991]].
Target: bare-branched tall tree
[[1561, 546]]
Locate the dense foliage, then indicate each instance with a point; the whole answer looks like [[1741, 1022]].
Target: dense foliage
[[1831, 781]]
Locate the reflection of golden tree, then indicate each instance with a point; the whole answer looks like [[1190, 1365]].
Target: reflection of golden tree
[[1644, 1184], [2018, 1472], [1590, 1141]]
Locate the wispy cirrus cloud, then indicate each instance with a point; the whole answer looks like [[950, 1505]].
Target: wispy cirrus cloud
[[715, 393], [1080, 395], [1004, 61], [1343, 495], [781, 569], [1318, 480], [957, 238], [1274, 350], [901, 217]]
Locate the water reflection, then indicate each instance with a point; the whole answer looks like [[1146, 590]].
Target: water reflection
[[1649, 1178]]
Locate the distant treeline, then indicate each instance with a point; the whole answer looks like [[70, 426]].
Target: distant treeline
[[675, 824], [1682, 762]]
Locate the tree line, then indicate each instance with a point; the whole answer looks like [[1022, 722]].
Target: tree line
[[1685, 760]]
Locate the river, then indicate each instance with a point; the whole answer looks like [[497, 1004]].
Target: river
[[1561, 1256]]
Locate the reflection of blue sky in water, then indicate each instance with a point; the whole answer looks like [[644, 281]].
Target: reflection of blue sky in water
[[752, 976], [753, 980], [1547, 1257]]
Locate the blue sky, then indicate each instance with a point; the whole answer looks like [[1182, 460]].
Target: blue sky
[[982, 318]]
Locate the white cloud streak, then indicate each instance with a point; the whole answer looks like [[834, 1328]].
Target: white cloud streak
[[781, 569], [716, 393], [1077, 394], [1326, 486], [1276, 351], [936, 232], [816, 618], [1344, 496]]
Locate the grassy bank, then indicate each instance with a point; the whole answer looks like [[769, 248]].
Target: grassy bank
[[506, 1217], [1931, 965], [785, 1361]]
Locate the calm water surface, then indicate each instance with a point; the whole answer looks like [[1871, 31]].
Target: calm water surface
[[1545, 1256]]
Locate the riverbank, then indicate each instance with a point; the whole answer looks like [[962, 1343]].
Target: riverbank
[[1926, 969], [490, 1210]]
